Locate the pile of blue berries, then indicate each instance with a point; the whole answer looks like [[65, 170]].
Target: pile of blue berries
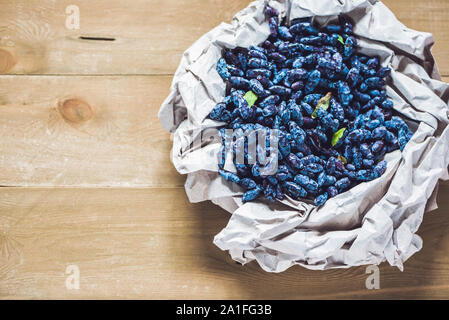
[[327, 102]]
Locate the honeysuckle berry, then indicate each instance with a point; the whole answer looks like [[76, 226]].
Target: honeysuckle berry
[[326, 100], [321, 199]]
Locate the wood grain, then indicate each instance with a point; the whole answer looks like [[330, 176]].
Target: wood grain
[[153, 243], [84, 131], [147, 37], [87, 165]]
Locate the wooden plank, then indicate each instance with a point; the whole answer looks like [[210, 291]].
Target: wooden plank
[[103, 131], [149, 36], [84, 131], [153, 243]]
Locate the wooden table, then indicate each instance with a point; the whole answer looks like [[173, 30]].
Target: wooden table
[[85, 170]]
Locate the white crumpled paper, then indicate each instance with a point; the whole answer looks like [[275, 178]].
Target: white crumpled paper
[[372, 222]]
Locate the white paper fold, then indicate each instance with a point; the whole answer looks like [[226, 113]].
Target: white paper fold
[[369, 224]]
